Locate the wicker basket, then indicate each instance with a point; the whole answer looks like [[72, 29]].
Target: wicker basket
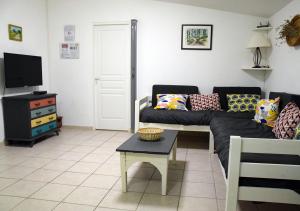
[[150, 134]]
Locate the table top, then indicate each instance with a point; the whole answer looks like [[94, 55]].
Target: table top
[[163, 146]]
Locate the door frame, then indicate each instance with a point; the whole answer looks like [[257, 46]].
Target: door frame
[[110, 23]]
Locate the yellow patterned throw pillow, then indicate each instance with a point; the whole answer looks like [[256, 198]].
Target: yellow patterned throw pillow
[[171, 102], [267, 111], [242, 102]]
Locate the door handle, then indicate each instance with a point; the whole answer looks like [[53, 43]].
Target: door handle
[[96, 80]]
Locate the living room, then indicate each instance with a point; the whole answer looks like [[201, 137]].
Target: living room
[[101, 99]]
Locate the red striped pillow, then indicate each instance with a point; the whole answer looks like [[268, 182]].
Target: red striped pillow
[[205, 102]]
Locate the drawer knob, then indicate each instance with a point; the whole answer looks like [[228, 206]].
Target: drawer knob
[[37, 104], [38, 122], [50, 110], [38, 113]]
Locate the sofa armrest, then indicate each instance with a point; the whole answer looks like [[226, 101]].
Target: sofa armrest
[[140, 104], [238, 168]]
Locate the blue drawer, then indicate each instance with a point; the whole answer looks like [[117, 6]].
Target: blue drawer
[[42, 111], [43, 128]]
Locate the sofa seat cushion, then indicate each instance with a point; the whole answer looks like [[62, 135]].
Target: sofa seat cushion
[[223, 128], [238, 115], [151, 115]]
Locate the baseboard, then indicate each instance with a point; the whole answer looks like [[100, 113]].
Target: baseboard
[[78, 127]]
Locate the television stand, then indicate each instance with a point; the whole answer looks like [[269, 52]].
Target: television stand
[[27, 118]]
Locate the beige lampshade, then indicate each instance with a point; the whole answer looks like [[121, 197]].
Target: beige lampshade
[[259, 39]]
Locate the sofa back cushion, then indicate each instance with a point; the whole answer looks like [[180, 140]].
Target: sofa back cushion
[[173, 89], [223, 91], [285, 98]]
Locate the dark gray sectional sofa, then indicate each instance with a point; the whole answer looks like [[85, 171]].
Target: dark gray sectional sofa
[[150, 115], [225, 124]]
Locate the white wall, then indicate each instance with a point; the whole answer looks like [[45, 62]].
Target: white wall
[[284, 60], [32, 16], [160, 59]]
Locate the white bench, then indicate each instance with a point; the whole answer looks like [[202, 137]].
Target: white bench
[[142, 103]]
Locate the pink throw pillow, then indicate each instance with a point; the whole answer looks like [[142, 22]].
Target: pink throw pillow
[[205, 102], [287, 121]]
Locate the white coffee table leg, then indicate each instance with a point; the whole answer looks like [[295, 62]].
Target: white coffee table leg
[[164, 175], [174, 151], [123, 171]]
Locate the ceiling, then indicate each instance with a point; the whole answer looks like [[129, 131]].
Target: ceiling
[[263, 8]]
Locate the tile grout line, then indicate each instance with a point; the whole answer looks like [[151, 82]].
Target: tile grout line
[[93, 172], [144, 192], [46, 183], [182, 181], [28, 197], [109, 190], [62, 201]]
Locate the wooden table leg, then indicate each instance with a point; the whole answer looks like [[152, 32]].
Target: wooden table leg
[[164, 175], [123, 171], [174, 151]]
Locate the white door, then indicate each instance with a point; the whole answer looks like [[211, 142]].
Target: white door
[[112, 76]]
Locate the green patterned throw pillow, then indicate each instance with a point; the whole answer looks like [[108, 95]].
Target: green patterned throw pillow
[[242, 102]]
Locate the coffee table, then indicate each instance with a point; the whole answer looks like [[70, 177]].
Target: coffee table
[[156, 153]]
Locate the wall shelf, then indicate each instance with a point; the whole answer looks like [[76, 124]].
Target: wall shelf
[[263, 29], [257, 69]]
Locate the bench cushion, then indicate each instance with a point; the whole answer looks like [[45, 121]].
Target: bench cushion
[[173, 89], [223, 91], [151, 115], [238, 115]]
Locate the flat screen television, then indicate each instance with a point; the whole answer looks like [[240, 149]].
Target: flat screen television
[[22, 70]]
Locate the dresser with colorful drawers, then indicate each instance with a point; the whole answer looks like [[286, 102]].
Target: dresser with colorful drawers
[[29, 117]]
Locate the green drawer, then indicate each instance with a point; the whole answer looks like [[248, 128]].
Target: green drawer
[[43, 128], [42, 111]]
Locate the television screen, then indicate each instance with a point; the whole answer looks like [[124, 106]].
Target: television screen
[[22, 70]]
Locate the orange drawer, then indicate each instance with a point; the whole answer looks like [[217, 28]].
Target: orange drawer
[[41, 103]]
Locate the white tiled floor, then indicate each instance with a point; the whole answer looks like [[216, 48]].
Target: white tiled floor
[[80, 170]]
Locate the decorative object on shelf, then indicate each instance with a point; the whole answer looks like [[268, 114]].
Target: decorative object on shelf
[[290, 31], [15, 32], [196, 37], [257, 41], [150, 134], [261, 25]]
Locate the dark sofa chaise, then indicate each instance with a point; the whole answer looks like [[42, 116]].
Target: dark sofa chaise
[[273, 177]]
